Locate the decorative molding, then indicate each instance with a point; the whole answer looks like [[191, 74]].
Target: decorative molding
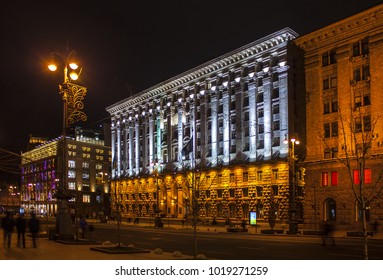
[[250, 51]]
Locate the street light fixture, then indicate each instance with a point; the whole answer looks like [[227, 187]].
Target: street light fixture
[[293, 225], [72, 97]]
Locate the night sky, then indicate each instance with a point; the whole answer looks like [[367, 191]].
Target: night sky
[[127, 46]]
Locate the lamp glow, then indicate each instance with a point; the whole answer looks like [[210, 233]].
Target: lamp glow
[[52, 67], [73, 66], [73, 76]]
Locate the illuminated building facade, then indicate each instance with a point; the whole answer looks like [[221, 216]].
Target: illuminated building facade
[[344, 82], [225, 122], [87, 167]]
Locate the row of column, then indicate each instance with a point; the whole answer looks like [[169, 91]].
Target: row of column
[[135, 139]]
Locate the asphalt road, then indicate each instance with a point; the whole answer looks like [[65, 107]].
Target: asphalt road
[[240, 246]]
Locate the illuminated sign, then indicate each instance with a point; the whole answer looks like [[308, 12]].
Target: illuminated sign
[[253, 218]]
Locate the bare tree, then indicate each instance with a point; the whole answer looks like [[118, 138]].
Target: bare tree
[[356, 136]]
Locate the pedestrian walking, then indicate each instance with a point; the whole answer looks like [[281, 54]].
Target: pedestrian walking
[[328, 236], [82, 225], [375, 226], [8, 224], [34, 227], [21, 226]]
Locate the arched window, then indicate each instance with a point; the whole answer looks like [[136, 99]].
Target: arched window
[[330, 210]]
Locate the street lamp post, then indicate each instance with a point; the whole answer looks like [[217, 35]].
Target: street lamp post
[[72, 97], [157, 222], [293, 223]]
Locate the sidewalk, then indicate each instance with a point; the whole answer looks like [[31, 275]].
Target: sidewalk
[[51, 250]]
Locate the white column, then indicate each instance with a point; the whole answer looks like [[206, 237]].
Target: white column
[[159, 137], [151, 139], [131, 145], [252, 121], [226, 127], [193, 132], [180, 132], [214, 129], [284, 108], [118, 149], [267, 117], [126, 144], [137, 146]]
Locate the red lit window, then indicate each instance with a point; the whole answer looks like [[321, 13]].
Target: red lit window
[[324, 179], [356, 177], [367, 176], [334, 178]]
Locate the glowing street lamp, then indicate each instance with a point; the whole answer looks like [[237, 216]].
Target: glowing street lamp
[[72, 97], [293, 218]]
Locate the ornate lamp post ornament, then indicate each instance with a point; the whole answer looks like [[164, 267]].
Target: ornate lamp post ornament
[[72, 97]]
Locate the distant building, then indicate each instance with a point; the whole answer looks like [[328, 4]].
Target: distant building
[[35, 141], [225, 122], [86, 167]]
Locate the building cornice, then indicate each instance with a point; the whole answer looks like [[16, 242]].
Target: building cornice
[[370, 19], [201, 72]]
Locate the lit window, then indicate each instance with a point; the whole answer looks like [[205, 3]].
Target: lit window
[[334, 178], [71, 185], [71, 174], [86, 198], [324, 179]]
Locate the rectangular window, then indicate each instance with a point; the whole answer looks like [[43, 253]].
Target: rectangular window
[[367, 123], [334, 105], [326, 129], [356, 177], [326, 107], [219, 193], [72, 185], [360, 47], [361, 73], [275, 174], [276, 109], [259, 176], [232, 177], [334, 178], [71, 174], [330, 82], [86, 198], [328, 58], [275, 190], [324, 179], [358, 125], [334, 129], [259, 191], [71, 164], [261, 144], [260, 113], [245, 177], [260, 98], [276, 141]]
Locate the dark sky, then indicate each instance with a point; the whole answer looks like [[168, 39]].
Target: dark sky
[[124, 45]]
